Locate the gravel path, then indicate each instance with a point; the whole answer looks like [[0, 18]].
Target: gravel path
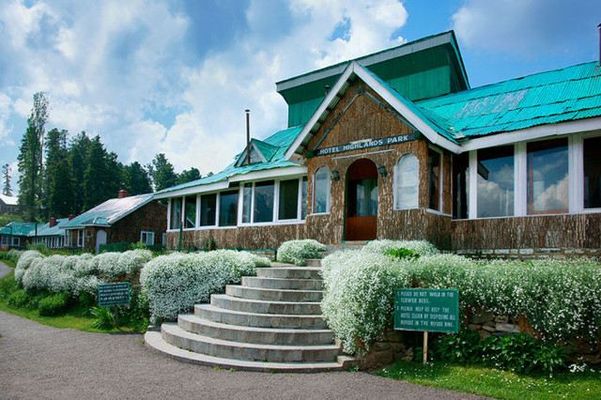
[[40, 362]]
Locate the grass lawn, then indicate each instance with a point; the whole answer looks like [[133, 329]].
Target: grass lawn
[[74, 318], [499, 384], [10, 263]]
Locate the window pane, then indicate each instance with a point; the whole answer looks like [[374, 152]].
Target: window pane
[[288, 207], [247, 191], [190, 212], [322, 190], [434, 179], [364, 197], [592, 172], [176, 213], [208, 208], [228, 208], [548, 176], [495, 182], [263, 207], [406, 182], [304, 198], [460, 185]]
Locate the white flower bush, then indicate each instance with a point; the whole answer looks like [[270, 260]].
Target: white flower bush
[[560, 299], [359, 297], [114, 265], [24, 263], [421, 247], [174, 283], [298, 251]]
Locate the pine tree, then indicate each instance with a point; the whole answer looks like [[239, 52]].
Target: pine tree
[[136, 179], [6, 178], [162, 173], [58, 193], [30, 160], [188, 175], [78, 151]]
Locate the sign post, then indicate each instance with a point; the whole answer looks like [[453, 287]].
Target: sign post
[[427, 310], [114, 294]]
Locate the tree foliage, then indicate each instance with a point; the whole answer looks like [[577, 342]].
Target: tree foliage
[[6, 180], [162, 172], [136, 179], [188, 175]]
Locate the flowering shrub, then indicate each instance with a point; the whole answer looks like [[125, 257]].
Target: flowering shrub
[[24, 263], [421, 247], [298, 251], [114, 265], [174, 283], [359, 297], [560, 299]]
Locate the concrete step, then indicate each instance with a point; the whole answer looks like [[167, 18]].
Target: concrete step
[[251, 293], [277, 283], [215, 314], [178, 337], [155, 342], [246, 334], [314, 262], [265, 307], [287, 271]]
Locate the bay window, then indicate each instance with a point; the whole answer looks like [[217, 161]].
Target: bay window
[[495, 170], [176, 213], [208, 209], [288, 199], [592, 172], [263, 201], [547, 174], [190, 212], [228, 208]]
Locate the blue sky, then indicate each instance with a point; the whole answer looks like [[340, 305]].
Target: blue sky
[[174, 76]]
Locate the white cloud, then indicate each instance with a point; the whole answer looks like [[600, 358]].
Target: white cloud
[[117, 68]]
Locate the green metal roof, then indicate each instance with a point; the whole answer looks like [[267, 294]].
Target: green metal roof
[[549, 97], [19, 229], [56, 230], [278, 143], [110, 211]]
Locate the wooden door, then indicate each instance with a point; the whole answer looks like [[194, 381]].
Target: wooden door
[[361, 201]]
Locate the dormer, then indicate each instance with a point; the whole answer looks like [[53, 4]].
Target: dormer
[[257, 151]]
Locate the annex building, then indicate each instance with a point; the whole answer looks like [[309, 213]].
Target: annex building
[[397, 145]]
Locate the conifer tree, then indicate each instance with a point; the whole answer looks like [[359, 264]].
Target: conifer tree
[[58, 193], [6, 180], [162, 172], [136, 179]]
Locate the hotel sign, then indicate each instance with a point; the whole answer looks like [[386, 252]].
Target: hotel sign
[[431, 310], [364, 144]]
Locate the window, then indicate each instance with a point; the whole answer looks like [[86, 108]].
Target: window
[[190, 212], [208, 209], [547, 174], [176, 213], [164, 239], [592, 172], [304, 197], [80, 238], [495, 182], [228, 208], [147, 237], [16, 241], [406, 182], [263, 202], [434, 177], [288, 199], [247, 191], [460, 186], [321, 192]]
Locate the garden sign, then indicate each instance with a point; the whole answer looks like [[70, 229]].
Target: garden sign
[[114, 294], [427, 310]]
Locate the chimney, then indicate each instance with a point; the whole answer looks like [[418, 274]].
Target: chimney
[[122, 193], [247, 111], [52, 222], [71, 216]]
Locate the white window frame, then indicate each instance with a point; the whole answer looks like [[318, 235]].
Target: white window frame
[[148, 234], [196, 217], [216, 224], [80, 238], [396, 178], [329, 192], [575, 178], [16, 241]]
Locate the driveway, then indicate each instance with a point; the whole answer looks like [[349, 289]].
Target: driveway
[[40, 362], [4, 269]]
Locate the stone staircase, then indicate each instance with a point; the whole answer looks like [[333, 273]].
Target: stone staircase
[[271, 322]]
